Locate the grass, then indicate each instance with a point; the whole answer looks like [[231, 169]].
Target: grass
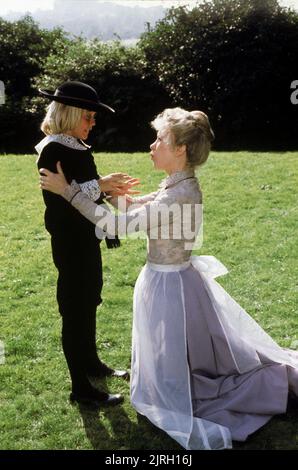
[[250, 224]]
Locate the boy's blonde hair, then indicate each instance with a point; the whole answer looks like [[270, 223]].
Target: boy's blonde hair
[[61, 118]]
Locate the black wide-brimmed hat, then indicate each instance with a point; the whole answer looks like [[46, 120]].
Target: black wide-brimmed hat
[[77, 94]]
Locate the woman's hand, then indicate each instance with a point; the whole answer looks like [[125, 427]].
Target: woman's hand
[[54, 182], [118, 184]]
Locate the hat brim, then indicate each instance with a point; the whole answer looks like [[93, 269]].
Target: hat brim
[[76, 102]]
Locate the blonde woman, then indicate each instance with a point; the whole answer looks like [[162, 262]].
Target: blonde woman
[[75, 247], [202, 369]]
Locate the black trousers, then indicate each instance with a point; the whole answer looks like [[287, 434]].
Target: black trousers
[[79, 285]]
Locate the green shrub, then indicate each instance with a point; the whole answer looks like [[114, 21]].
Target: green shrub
[[235, 59], [23, 51], [117, 73]]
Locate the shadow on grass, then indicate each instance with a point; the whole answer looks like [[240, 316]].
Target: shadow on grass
[[110, 428], [279, 434], [127, 435]]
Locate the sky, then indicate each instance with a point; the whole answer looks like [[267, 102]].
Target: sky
[[33, 5]]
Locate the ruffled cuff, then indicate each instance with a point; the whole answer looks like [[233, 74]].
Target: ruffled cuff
[[91, 188]]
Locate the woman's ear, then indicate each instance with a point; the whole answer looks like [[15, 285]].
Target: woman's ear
[[181, 150]]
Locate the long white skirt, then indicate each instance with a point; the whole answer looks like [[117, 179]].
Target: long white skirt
[[202, 369]]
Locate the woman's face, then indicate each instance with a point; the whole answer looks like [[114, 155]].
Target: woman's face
[[163, 153], [85, 125]]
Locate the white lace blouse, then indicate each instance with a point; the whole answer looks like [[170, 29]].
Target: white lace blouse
[[171, 216]]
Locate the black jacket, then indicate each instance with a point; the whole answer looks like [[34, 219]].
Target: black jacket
[[61, 219]]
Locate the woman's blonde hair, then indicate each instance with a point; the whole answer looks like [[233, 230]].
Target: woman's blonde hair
[[189, 128], [61, 118]]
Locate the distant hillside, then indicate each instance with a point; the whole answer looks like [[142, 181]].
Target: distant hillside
[[104, 20]]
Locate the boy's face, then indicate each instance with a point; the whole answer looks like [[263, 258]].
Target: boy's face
[[85, 125]]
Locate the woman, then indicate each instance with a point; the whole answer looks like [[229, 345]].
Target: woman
[[75, 247], [202, 369]]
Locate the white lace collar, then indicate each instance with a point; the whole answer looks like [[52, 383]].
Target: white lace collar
[[64, 139], [176, 178]]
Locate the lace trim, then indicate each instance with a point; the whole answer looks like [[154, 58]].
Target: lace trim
[[91, 188], [176, 177], [63, 139]]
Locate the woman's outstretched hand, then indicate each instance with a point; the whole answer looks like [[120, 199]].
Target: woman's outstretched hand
[[118, 184], [54, 182]]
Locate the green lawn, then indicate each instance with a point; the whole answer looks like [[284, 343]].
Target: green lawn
[[250, 224]]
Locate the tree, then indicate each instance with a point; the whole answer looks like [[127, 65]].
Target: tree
[[117, 73], [234, 59], [24, 48]]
